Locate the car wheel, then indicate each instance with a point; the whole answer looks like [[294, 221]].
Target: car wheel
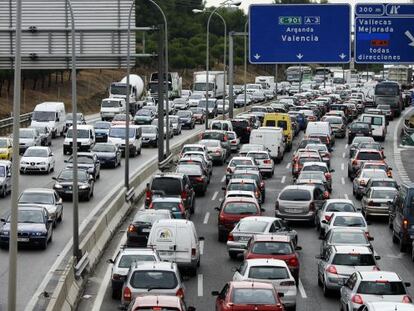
[[402, 246], [192, 271], [233, 255], [325, 290], [116, 294], [139, 151], [44, 245], [222, 236], [390, 225], [99, 175], [3, 192], [60, 218], [395, 240], [319, 281]]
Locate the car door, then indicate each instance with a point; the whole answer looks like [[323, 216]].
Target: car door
[[347, 290], [8, 178], [189, 189], [221, 298], [399, 210]]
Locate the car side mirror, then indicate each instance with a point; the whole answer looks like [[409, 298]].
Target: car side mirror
[[3, 220], [65, 161], [223, 188], [371, 238], [332, 170], [235, 269], [377, 257], [217, 208], [111, 261], [54, 178], [298, 248], [320, 257], [9, 174], [407, 284], [324, 221], [49, 221], [281, 295], [215, 293], [201, 238], [191, 308], [262, 209]]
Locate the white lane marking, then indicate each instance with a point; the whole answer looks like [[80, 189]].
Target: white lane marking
[[302, 290], [343, 180], [343, 155], [201, 247], [97, 304], [283, 179], [288, 165], [200, 285], [346, 146], [346, 196], [206, 218], [223, 179], [214, 196], [221, 199], [342, 166]]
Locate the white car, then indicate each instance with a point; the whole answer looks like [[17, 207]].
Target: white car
[[273, 271], [236, 161], [328, 208], [386, 306], [37, 159], [347, 219], [263, 161]]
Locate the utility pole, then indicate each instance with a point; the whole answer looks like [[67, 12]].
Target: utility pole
[[231, 73], [161, 67]]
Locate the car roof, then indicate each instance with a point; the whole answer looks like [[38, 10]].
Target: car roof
[[272, 238], [157, 300], [298, 187], [259, 218], [329, 201], [379, 275], [348, 249], [266, 262], [356, 214], [383, 188], [37, 190], [240, 199], [155, 265], [369, 150], [388, 305], [169, 175], [251, 284], [242, 181], [166, 199], [137, 250]]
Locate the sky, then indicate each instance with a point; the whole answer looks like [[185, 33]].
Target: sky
[[245, 3]]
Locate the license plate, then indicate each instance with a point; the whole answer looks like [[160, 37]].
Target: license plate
[[293, 210], [146, 230], [22, 239], [359, 134], [244, 238]]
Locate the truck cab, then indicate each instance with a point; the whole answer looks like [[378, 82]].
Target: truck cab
[[112, 106]]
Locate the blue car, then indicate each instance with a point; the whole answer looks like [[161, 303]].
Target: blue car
[[34, 227], [102, 131], [301, 119]]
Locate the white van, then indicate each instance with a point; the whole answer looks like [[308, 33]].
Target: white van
[[319, 127], [378, 125], [51, 115], [223, 125], [5, 177], [86, 138], [117, 136], [176, 240], [271, 138], [111, 107]]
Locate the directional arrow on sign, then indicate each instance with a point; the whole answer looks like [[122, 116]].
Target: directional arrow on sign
[[411, 37], [299, 56], [257, 56], [342, 56]]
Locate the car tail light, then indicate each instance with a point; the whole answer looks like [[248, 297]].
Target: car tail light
[[357, 299], [267, 162], [199, 179], [132, 228], [229, 170], [151, 206], [148, 195], [287, 283], [218, 152], [127, 294], [225, 138], [312, 206], [405, 224], [193, 252], [184, 195], [407, 299], [262, 184], [180, 293], [331, 270], [180, 206], [362, 182], [230, 237], [389, 174], [328, 217], [328, 176], [354, 162], [116, 277], [293, 262]]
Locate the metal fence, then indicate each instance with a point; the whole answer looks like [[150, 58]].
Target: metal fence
[[7, 124]]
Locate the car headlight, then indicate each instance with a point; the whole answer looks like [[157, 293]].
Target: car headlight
[[58, 186], [42, 163], [83, 187], [6, 233], [39, 233], [24, 163]]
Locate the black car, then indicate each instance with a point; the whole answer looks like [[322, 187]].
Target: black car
[[140, 227], [108, 154], [198, 178], [80, 119], [45, 135], [171, 184], [186, 118], [358, 129], [102, 131], [33, 228], [64, 184], [243, 128], [88, 161]]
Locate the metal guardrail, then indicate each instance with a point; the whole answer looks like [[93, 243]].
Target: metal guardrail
[[7, 124]]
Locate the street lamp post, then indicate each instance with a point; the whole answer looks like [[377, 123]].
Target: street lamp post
[[245, 63]]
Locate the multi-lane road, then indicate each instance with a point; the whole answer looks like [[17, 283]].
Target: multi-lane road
[[33, 265], [216, 266]]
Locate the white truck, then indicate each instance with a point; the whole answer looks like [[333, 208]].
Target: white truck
[[401, 74], [175, 85], [136, 91], [216, 80], [111, 107], [265, 81], [341, 77], [51, 115]]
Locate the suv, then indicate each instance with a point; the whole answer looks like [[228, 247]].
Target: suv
[[160, 277], [358, 129], [171, 184], [337, 263]]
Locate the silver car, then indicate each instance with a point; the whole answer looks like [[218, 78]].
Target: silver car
[[249, 226], [215, 150], [5, 177], [337, 263], [152, 278], [123, 261], [263, 161], [175, 124], [373, 286], [328, 208], [28, 137], [361, 180], [376, 201]]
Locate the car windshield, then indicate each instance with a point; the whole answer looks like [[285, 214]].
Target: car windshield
[[381, 287], [82, 160], [252, 226], [315, 168], [202, 104], [29, 217], [127, 260], [44, 116], [26, 133], [272, 248], [241, 208], [384, 194], [3, 143], [374, 174], [236, 162], [259, 156], [153, 280], [353, 260], [295, 195], [104, 148], [81, 133], [268, 273], [143, 112], [110, 104], [253, 296], [2, 171], [36, 153], [372, 156], [210, 143], [340, 207], [384, 183], [351, 238], [119, 132], [102, 125], [36, 198], [358, 126], [189, 169], [170, 186], [358, 140], [384, 107], [67, 175], [349, 221], [241, 187], [183, 113], [150, 218]]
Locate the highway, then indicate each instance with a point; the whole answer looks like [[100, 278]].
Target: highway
[[34, 264], [216, 266]]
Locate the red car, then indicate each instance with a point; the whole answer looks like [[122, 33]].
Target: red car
[[276, 247], [248, 296], [159, 302], [232, 210]]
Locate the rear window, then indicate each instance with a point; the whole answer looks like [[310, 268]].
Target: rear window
[[253, 296], [295, 195], [259, 156], [154, 279], [270, 123], [170, 206], [340, 207], [381, 287], [241, 187], [240, 123], [237, 162], [127, 260], [384, 194], [369, 156], [372, 120], [170, 186], [252, 226], [308, 159], [384, 183], [272, 248], [360, 126], [354, 260], [213, 135], [158, 308], [240, 208], [351, 238], [268, 273], [282, 124], [349, 221]]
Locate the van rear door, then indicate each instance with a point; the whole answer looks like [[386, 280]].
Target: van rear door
[[164, 239], [184, 244]]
